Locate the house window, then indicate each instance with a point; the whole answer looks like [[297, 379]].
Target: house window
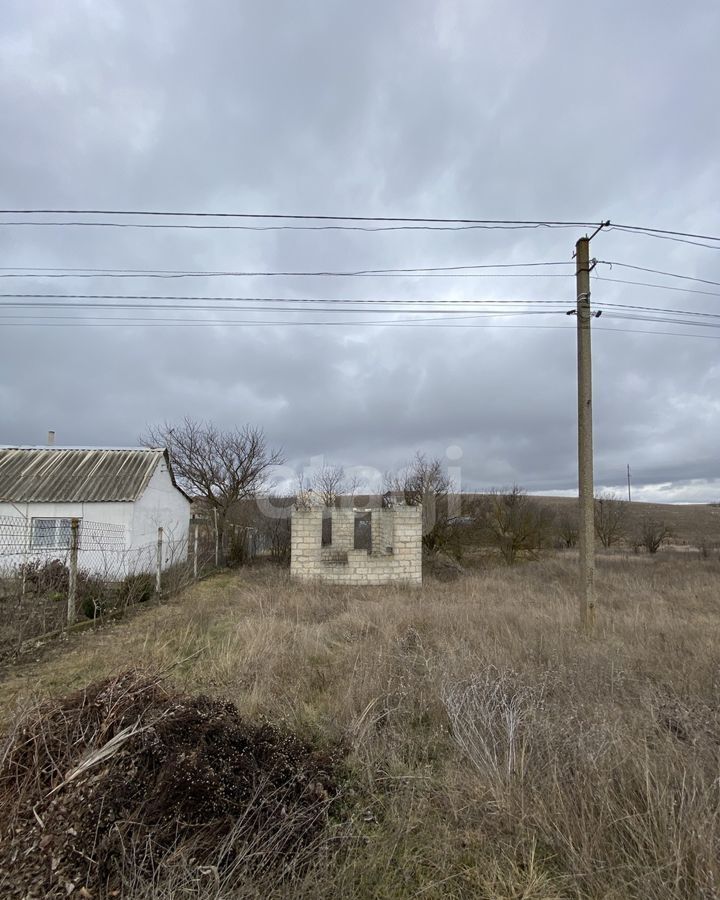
[[50, 534]]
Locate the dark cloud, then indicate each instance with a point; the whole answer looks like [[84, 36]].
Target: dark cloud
[[452, 109]]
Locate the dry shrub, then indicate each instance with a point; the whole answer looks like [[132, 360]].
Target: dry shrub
[[622, 796], [442, 566], [127, 775], [489, 715], [135, 588]]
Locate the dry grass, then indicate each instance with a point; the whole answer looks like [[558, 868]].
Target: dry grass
[[498, 753], [690, 524]]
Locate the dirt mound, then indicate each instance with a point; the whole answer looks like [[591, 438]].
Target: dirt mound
[[127, 772]]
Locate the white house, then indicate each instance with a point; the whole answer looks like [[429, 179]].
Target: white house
[[121, 496]]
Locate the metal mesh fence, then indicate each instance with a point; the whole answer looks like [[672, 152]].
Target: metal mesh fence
[[50, 576], [38, 537]]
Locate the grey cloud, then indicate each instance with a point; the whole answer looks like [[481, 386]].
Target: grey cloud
[[452, 109]]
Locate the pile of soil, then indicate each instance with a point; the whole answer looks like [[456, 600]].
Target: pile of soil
[[128, 771]]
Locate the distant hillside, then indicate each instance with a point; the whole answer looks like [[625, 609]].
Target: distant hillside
[[688, 523]]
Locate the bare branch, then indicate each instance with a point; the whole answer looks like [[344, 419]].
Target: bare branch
[[222, 467]]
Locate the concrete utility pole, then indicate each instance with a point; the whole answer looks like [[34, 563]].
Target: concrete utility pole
[[629, 494], [585, 437]]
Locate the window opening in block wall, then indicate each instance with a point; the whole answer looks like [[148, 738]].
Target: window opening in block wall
[[326, 539], [362, 538]]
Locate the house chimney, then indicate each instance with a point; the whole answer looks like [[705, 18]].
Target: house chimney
[[51, 438]]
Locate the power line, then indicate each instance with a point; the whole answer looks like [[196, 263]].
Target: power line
[[441, 317], [253, 324], [707, 337], [666, 320], [142, 319], [294, 216], [21, 272], [669, 237], [275, 227], [346, 305], [611, 263], [234, 308], [663, 231], [661, 309], [45, 319], [610, 310], [200, 297], [496, 309], [304, 217], [661, 287]]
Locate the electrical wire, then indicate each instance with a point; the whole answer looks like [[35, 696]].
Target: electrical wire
[[140, 319], [233, 308], [661, 287], [364, 228], [159, 273], [665, 320], [254, 324], [201, 297], [436, 315], [336, 305], [292, 216], [643, 229], [251, 324], [660, 309], [493, 308], [611, 263], [404, 220], [668, 237]]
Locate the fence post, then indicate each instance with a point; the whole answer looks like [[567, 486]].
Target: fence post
[[26, 553], [217, 541], [158, 574], [72, 578], [195, 548]]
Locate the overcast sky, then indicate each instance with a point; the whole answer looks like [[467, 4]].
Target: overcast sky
[[474, 109]]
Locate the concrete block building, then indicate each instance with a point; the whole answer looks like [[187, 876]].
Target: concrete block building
[[376, 546]]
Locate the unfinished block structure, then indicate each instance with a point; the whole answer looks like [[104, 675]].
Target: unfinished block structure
[[394, 538]]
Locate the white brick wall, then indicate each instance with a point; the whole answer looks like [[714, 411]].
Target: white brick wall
[[399, 528]]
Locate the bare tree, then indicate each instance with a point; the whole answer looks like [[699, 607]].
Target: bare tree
[[704, 544], [331, 484], [568, 529], [222, 467], [271, 524], [305, 497], [610, 518], [653, 534], [423, 481], [516, 523]]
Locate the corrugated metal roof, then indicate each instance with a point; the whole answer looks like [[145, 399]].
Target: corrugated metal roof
[[76, 475]]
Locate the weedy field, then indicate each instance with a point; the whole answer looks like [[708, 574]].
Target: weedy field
[[490, 750]]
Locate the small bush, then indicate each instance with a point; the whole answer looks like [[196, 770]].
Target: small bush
[[93, 604], [237, 552], [48, 577], [653, 534], [51, 580], [138, 588]]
